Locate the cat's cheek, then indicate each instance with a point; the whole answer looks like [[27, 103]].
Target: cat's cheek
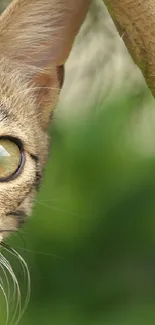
[[28, 203]]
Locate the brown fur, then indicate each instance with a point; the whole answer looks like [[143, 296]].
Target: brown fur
[[36, 37]]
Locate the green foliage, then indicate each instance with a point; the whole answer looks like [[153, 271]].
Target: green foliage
[[90, 245]]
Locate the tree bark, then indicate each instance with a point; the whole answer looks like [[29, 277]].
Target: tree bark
[[135, 21]]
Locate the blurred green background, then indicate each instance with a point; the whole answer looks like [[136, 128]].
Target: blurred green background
[[90, 245]]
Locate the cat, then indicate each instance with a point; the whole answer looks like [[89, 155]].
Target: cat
[[33, 52], [36, 37]]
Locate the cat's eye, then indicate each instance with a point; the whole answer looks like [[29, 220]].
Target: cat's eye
[[11, 159]]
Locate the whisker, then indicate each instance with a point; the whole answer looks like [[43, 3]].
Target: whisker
[[41, 253], [12, 277], [26, 277], [21, 237], [6, 301], [7, 266], [59, 209], [26, 92], [7, 282], [2, 287], [5, 262], [16, 292]]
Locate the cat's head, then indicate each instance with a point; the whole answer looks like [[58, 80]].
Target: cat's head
[[36, 37]]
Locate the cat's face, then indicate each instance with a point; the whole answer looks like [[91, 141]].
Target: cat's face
[[23, 143], [35, 40]]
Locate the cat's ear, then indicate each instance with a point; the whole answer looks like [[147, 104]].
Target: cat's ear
[[40, 33]]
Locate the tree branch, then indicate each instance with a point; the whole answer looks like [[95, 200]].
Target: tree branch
[[135, 21]]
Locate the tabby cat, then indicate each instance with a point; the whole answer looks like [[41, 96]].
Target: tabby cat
[[36, 37]]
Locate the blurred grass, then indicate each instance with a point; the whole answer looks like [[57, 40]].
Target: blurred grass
[[90, 245]]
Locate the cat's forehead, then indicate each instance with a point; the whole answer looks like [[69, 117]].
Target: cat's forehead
[[15, 124], [19, 116], [3, 113], [14, 81]]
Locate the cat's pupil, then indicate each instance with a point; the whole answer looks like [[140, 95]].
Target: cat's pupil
[[9, 158]]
